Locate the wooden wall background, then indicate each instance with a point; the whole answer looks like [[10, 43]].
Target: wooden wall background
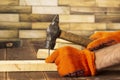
[[28, 19]]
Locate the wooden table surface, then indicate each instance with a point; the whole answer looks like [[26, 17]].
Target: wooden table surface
[[28, 52]]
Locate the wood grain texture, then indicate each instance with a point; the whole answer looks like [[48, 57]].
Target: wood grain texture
[[113, 26], [40, 25], [77, 2], [26, 65], [88, 10], [32, 34], [107, 18], [50, 10], [87, 26], [108, 3], [36, 17], [15, 25], [59, 45], [9, 2], [43, 53], [9, 17], [76, 18], [9, 34], [39, 2], [15, 9]]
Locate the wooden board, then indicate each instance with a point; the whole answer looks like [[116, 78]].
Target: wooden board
[[108, 18], [77, 2], [108, 3], [88, 10], [36, 17], [87, 26], [113, 26], [32, 34], [15, 25], [15, 9], [76, 18], [26, 65], [50, 10], [43, 53], [9, 34], [40, 25], [9, 17], [39, 2], [9, 2]]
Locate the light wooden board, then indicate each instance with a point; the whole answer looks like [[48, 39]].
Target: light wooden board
[[9, 17], [77, 2], [26, 65], [9, 34], [39, 2], [87, 26], [43, 53], [58, 45], [32, 34], [36, 17], [9, 2], [15, 9], [76, 18], [50, 10], [108, 3], [113, 26], [40, 25], [15, 25]]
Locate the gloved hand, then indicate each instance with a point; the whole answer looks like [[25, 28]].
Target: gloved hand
[[103, 39], [73, 62]]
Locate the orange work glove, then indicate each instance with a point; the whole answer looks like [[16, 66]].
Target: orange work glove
[[103, 39], [73, 62]]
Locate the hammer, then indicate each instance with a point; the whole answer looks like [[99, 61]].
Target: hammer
[[54, 32]]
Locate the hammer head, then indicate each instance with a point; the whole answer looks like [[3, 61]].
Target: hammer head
[[53, 32]]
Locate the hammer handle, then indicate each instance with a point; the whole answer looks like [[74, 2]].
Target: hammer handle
[[84, 41]]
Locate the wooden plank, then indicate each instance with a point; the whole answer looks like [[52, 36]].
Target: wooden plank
[[45, 25], [9, 2], [58, 40], [76, 18], [15, 9], [113, 26], [107, 18], [40, 25], [26, 65], [108, 3], [77, 2], [50, 10], [39, 2], [113, 11], [25, 75], [36, 17], [15, 25], [32, 34], [43, 53], [88, 10], [87, 26], [9, 17], [58, 45], [9, 34]]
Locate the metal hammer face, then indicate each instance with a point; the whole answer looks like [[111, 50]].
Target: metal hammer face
[[53, 32]]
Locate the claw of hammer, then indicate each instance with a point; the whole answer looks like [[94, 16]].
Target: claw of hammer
[[53, 32]]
